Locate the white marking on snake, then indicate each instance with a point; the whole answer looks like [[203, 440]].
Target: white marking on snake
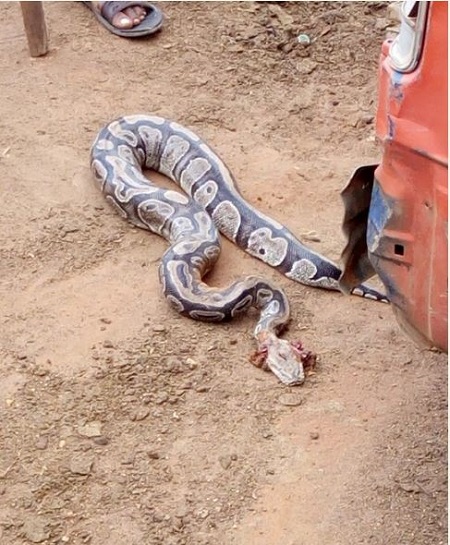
[[100, 173], [120, 166], [126, 154], [197, 261], [194, 171], [128, 181], [207, 315], [141, 155], [119, 132], [263, 296], [242, 305], [183, 248], [206, 193], [152, 141], [270, 249], [257, 330], [139, 118], [157, 120], [205, 224], [175, 303], [184, 131], [304, 270], [226, 174], [181, 226], [273, 308], [227, 219], [217, 297], [174, 196], [132, 119], [154, 214], [104, 144], [212, 252], [175, 149]]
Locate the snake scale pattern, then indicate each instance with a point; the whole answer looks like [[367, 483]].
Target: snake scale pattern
[[190, 223]]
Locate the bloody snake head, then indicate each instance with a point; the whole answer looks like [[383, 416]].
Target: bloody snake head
[[285, 359]]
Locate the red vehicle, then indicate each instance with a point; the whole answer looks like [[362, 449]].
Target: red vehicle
[[396, 212]]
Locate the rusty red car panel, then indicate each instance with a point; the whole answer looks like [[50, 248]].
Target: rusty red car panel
[[396, 215]]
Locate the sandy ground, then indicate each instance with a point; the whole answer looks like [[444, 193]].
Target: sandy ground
[[123, 423]]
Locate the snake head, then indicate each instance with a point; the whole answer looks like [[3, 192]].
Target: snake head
[[287, 360]]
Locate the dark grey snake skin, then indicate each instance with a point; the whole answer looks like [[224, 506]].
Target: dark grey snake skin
[[190, 224]]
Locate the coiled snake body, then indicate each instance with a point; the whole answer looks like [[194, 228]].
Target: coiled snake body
[[191, 222]]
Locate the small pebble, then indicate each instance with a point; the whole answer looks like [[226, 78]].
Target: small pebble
[[290, 400], [108, 344], [225, 461], [314, 435], [408, 487], [191, 363], [182, 512], [364, 120], [202, 389], [140, 414], [101, 440], [382, 23], [159, 329], [162, 398], [203, 513], [128, 461], [91, 429], [42, 442], [105, 320], [311, 236], [81, 465], [178, 524], [35, 530], [303, 39]]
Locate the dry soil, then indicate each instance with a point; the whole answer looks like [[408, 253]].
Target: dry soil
[[122, 423]]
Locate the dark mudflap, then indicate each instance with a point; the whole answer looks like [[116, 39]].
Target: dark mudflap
[[356, 266]]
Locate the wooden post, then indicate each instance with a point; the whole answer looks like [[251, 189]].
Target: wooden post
[[35, 28]]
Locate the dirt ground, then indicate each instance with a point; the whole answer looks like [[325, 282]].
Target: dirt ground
[[122, 422]]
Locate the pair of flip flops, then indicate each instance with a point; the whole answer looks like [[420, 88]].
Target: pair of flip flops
[[152, 22]]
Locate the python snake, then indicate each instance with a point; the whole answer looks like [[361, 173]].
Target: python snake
[[190, 223]]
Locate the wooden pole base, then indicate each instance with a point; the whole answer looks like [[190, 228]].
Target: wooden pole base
[[35, 27]]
